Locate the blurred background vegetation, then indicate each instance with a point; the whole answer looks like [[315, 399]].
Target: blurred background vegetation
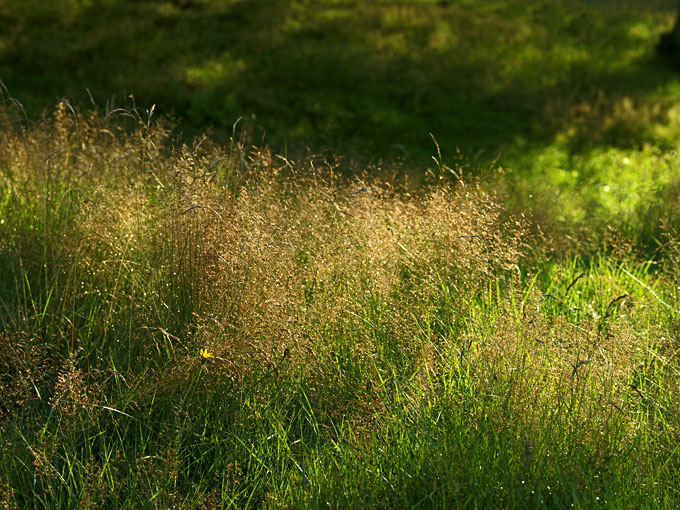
[[569, 97], [375, 77]]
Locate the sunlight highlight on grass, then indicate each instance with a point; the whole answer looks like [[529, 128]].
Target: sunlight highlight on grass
[[216, 326]]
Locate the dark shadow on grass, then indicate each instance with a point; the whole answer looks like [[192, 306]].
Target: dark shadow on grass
[[360, 77]]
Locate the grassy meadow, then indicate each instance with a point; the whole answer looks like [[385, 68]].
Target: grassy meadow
[[425, 256]]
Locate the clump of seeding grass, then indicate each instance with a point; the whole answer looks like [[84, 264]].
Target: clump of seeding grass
[[149, 282]]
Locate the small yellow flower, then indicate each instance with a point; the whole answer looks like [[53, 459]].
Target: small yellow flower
[[206, 354]]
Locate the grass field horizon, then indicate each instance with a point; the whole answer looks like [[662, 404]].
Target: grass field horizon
[[339, 254]]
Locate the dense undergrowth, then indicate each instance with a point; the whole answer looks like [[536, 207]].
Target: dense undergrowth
[[220, 327]]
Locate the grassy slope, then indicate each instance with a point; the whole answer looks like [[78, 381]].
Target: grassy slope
[[479, 75], [565, 92], [443, 354], [439, 355]]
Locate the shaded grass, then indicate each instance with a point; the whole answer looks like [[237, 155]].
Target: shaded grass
[[219, 327], [368, 78]]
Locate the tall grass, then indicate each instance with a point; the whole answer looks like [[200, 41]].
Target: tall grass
[[199, 326]]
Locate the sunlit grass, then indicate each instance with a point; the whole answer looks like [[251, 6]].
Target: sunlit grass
[[248, 324], [219, 327]]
